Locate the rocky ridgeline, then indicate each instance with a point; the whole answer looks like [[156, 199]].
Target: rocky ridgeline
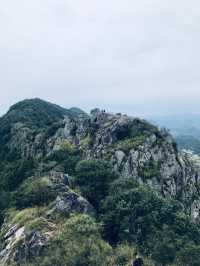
[[134, 148], [137, 148]]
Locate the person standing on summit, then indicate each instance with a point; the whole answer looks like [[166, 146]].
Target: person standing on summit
[[138, 261]]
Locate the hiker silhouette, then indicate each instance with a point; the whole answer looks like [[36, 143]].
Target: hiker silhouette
[[138, 261]]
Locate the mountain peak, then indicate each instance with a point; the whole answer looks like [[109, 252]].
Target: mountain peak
[[39, 113], [117, 166]]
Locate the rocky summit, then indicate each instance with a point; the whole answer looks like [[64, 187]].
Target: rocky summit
[[89, 189]]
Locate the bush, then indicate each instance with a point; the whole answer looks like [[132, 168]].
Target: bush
[[93, 177], [33, 192], [67, 147], [78, 242], [189, 255], [127, 144], [123, 255], [23, 217], [66, 157], [138, 215], [15, 172]]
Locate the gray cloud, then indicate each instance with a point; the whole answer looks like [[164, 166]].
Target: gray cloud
[[131, 56]]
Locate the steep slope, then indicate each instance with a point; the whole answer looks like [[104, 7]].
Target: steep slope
[[137, 148], [45, 149], [33, 130], [26, 132]]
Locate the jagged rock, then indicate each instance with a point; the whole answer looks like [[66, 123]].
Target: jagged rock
[[11, 231], [67, 201], [22, 245], [59, 178], [70, 202], [134, 147], [15, 235], [32, 246], [154, 160], [150, 155], [119, 157], [95, 112]]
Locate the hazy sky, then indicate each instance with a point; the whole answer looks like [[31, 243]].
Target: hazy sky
[[130, 56]]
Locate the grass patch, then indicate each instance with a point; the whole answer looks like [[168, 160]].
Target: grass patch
[[24, 216], [38, 224], [127, 144], [66, 146], [85, 143]]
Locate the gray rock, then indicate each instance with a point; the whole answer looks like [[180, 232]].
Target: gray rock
[[32, 246], [120, 155], [70, 202]]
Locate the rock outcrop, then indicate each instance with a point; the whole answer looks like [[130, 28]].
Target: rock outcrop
[[22, 245], [26, 240], [139, 149], [134, 148]]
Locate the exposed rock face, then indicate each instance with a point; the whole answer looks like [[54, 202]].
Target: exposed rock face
[[11, 238], [32, 245], [67, 201], [22, 245], [139, 149], [71, 202], [134, 147]]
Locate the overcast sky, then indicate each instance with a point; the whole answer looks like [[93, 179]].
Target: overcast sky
[[131, 56]]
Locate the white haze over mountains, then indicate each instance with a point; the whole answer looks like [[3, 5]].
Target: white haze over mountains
[[131, 56]]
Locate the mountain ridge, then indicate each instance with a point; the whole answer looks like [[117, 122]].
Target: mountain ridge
[[60, 167]]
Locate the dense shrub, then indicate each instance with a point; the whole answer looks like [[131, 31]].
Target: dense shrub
[[189, 255], [138, 215], [33, 192], [13, 173], [93, 177], [66, 157], [77, 243]]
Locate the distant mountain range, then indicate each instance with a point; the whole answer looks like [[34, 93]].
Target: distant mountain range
[[185, 128]]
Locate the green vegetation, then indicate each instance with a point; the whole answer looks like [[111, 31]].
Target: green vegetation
[[67, 147], [18, 128], [137, 128], [123, 254], [127, 144], [189, 256], [34, 113], [37, 224], [65, 158], [23, 217], [93, 178], [14, 172], [149, 170], [129, 216], [78, 242], [158, 226], [33, 192], [85, 143]]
